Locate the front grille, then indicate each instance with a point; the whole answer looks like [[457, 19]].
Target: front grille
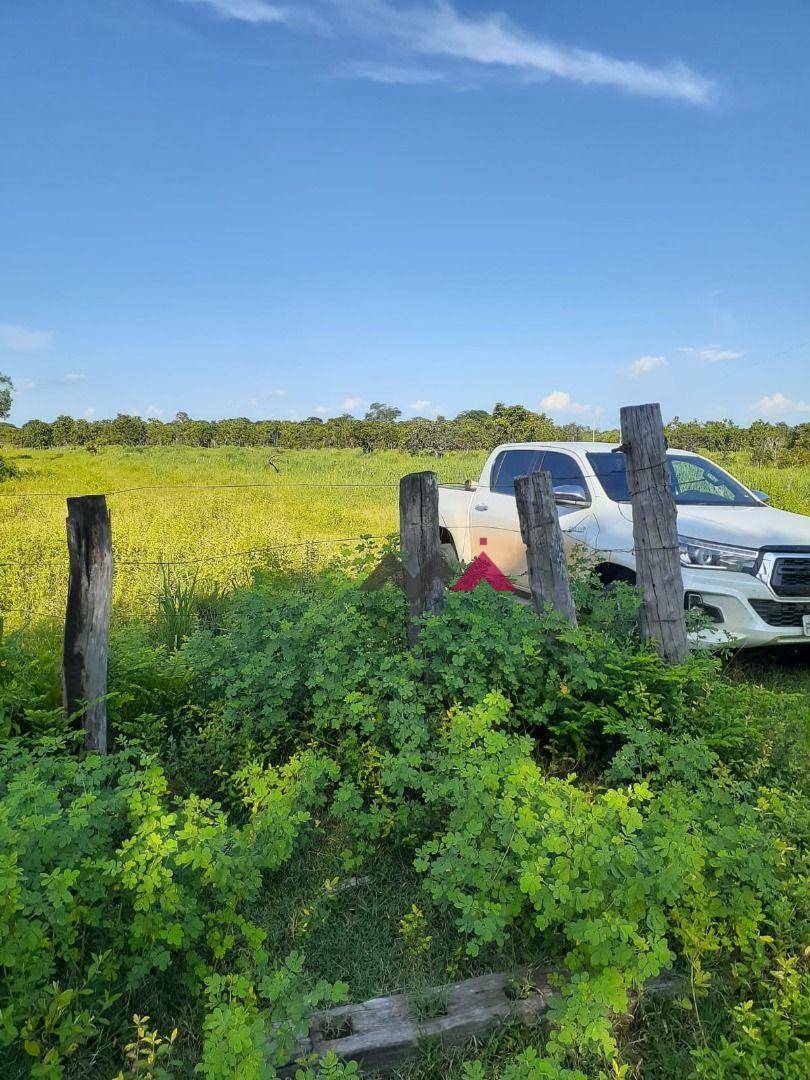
[[791, 577], [776, 614]]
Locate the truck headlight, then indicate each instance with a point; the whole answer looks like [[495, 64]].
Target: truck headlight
[[712, 556]]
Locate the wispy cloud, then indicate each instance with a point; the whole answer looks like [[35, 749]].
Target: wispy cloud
[[645, 364], [712, 354], [437, 29], [778, 405], [261, 11], [350, 404], [560, 403], [390, 74], [73, 376], [23, 338]]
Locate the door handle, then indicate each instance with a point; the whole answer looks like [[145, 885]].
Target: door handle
[[481, 506]]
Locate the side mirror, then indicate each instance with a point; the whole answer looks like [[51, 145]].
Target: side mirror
[[571, 495], [763, 496]]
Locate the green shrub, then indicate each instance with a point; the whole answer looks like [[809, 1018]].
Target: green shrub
[[622, 882], [109, 884]]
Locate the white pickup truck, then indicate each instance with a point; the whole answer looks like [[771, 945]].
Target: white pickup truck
[[745, 564]]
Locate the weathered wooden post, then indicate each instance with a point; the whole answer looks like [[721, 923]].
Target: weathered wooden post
[[655, 530], [545, 553], [420, 546], [87, 621]]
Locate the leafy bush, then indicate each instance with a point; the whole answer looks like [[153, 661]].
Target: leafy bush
[[141, 882], [621, 881], [109, 884]]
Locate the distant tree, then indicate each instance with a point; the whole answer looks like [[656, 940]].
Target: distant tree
[[126, 430], [6, 387], [82, 432], [473, 414], [6, 469], [158, 433], [63, 429], [36, 435], [195, 432], [237, 432], [181, 418], [378, 411], [314, 420]]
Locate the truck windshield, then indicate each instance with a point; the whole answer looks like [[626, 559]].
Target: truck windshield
[[694, 481]]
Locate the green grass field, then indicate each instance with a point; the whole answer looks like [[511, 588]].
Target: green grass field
[[171, 504], [180, 510]]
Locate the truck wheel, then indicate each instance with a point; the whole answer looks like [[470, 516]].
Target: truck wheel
[[611, 574], [448, 553]]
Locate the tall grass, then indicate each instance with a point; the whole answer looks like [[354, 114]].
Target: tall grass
[[303, 502], [179, 519]]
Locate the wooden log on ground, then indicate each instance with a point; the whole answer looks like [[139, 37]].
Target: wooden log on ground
[[87, 619], [545, 552], [655, 531], [385, 1032], [421, 548]]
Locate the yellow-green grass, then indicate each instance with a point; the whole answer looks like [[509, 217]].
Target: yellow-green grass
[[788, 487], [315, 495], [310, 498]]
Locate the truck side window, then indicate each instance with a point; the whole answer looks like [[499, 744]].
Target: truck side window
[[508, 466], [565, 470]]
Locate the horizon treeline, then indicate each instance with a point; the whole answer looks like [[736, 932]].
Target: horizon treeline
[[474, 429]]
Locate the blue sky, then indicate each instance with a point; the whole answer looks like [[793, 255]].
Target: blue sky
[[243, 207]]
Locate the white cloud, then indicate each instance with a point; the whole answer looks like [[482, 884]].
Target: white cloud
[[259, 11], [494, 40], [390, 74], [73, 376], [777, 404], [350, 404], [559, 402], [23, 338], [89, 413], [423, 407], [22, 386], [153, 411], [645, 364], [321, 410], [712, 354], [277, 393]]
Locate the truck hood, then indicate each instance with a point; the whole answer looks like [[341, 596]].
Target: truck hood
[[744, 526]]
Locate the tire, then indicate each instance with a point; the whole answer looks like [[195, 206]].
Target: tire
[[448, 553]]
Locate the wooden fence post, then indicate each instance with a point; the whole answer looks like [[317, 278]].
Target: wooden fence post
[[421, 549], [655, 531], [545, 553], [87, 621]]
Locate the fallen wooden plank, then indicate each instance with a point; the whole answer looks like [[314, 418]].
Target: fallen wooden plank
[[382, 1033]]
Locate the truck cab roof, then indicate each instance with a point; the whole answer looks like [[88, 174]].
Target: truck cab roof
[[579, 449]]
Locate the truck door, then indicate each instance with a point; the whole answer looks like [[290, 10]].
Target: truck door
[[494, 526], [568, 482]]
